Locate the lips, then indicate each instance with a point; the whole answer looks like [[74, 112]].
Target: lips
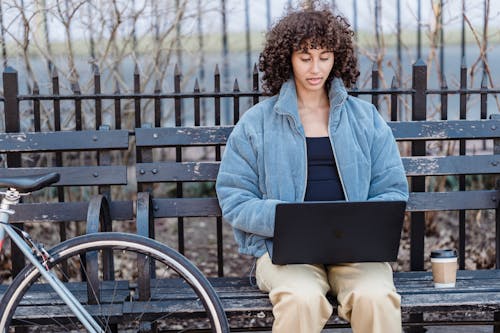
[[314, 80]]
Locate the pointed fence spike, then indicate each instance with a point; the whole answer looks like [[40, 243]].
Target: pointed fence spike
[[177, 70], [444, 84], [196, 85], [75, 87], [73, 75], [419, 62], [136, 69], [255, 69], [236, 87], [9, 69], [157, 86], [117, 87], [484, 80], [54, 73], [35, 87], [463, 63], [394, 82], [217, 72]]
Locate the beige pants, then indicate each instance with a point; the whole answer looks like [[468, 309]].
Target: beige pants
[[365, 292]]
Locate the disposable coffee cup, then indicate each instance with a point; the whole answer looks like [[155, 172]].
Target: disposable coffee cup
[[444, 268]]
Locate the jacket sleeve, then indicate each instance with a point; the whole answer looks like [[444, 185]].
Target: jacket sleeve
[[388, 179], [237, 186]]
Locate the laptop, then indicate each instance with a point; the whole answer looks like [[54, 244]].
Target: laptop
[[337, 232]]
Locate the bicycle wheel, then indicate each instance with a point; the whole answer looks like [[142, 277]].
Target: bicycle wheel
[[121, 299]]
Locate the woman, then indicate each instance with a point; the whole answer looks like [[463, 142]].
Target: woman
[[311, 141]]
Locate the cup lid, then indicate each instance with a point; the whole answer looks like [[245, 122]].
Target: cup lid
[[445, 253]]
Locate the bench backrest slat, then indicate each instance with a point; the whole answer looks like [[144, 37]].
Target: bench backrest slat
[[67, 211], [182, 136], [451, 165], [177, 171], [63, 141], [445, 130], [457, 200], [76, 175], [186, 207], [414, 166]]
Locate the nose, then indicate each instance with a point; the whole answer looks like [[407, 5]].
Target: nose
[[315, 66]]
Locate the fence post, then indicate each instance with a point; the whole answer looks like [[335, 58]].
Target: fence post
[[496, 151], [217, 89], [255, 84], [36, 108], [375, 84], [97, 91], [393, 115], [417, 228], [178, 152], [12, 117], [13, 125], [137, 109], [419, 107], [461, 178]]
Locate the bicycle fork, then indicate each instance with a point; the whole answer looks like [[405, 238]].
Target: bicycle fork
[[12, 198]]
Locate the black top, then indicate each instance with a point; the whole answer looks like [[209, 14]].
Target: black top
[[323, 181]]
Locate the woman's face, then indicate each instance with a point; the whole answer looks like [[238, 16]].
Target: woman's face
[[311, 69]]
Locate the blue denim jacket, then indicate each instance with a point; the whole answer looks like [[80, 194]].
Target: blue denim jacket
[[265, 161]]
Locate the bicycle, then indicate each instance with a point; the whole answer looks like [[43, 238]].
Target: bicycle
[[97, 310]]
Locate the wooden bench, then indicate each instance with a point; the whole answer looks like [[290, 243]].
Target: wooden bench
[[477, 291]]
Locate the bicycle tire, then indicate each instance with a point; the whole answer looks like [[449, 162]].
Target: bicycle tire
[[167, 262]]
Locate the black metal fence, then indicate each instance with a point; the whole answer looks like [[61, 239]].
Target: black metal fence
[[52, 111], [475, 18]]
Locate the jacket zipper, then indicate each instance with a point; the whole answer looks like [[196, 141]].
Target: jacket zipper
[[305, 167], [336, 163], [305, 150]]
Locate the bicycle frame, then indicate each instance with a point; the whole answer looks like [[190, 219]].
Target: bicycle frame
[[12, 197]]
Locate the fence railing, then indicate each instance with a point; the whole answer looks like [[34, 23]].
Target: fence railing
[[151, 107]]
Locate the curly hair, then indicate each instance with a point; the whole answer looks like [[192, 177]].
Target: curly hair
[[301, 30]]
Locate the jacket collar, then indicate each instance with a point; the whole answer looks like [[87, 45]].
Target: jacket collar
[[287, 99]]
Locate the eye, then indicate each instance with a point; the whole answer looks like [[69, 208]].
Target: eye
[[305, 59], [324, 59]]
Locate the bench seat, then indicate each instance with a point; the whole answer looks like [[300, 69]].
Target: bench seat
[[475, 292]]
